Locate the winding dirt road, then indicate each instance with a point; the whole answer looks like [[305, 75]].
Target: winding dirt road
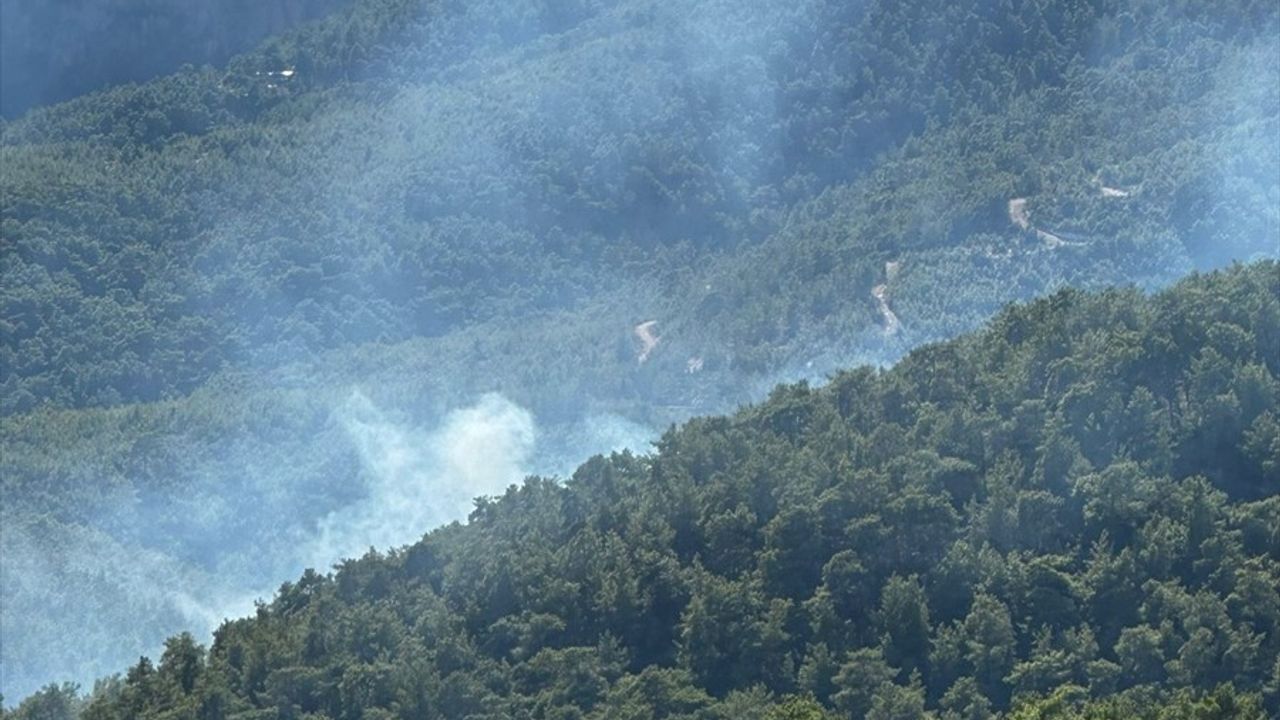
[[1018, 215], [891, 323], [648, 341]]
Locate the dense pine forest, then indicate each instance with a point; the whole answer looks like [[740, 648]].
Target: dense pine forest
[[1071, 513], [405, 171], [53, 51], [282, 281]]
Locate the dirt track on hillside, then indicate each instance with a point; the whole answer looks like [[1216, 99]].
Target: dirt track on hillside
[[1019, 216], [648, 341], [891, 322]]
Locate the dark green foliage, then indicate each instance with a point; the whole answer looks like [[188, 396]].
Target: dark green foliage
[[53, 702], [566, 600], [448, 199], [55, 51], [406, 182], [1072, 703]]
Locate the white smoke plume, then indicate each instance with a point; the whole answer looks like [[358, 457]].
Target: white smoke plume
[[415, 481]]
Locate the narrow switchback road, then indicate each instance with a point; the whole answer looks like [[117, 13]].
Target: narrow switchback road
[[891, 323], [648, 341]]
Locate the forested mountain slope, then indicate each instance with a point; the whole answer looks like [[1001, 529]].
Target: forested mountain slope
[[54, 51], [1078, 501], [488, 163], [233, 296]]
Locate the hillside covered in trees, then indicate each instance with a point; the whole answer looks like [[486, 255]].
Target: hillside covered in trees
[[55, 51], [404, 170], [248, 307], [1071, 513]]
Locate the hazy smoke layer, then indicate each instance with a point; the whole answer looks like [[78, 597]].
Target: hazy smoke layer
[[461, 150], [90, 600], [417, 481]]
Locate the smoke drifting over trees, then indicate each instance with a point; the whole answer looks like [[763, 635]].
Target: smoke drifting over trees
[[321, 293]]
